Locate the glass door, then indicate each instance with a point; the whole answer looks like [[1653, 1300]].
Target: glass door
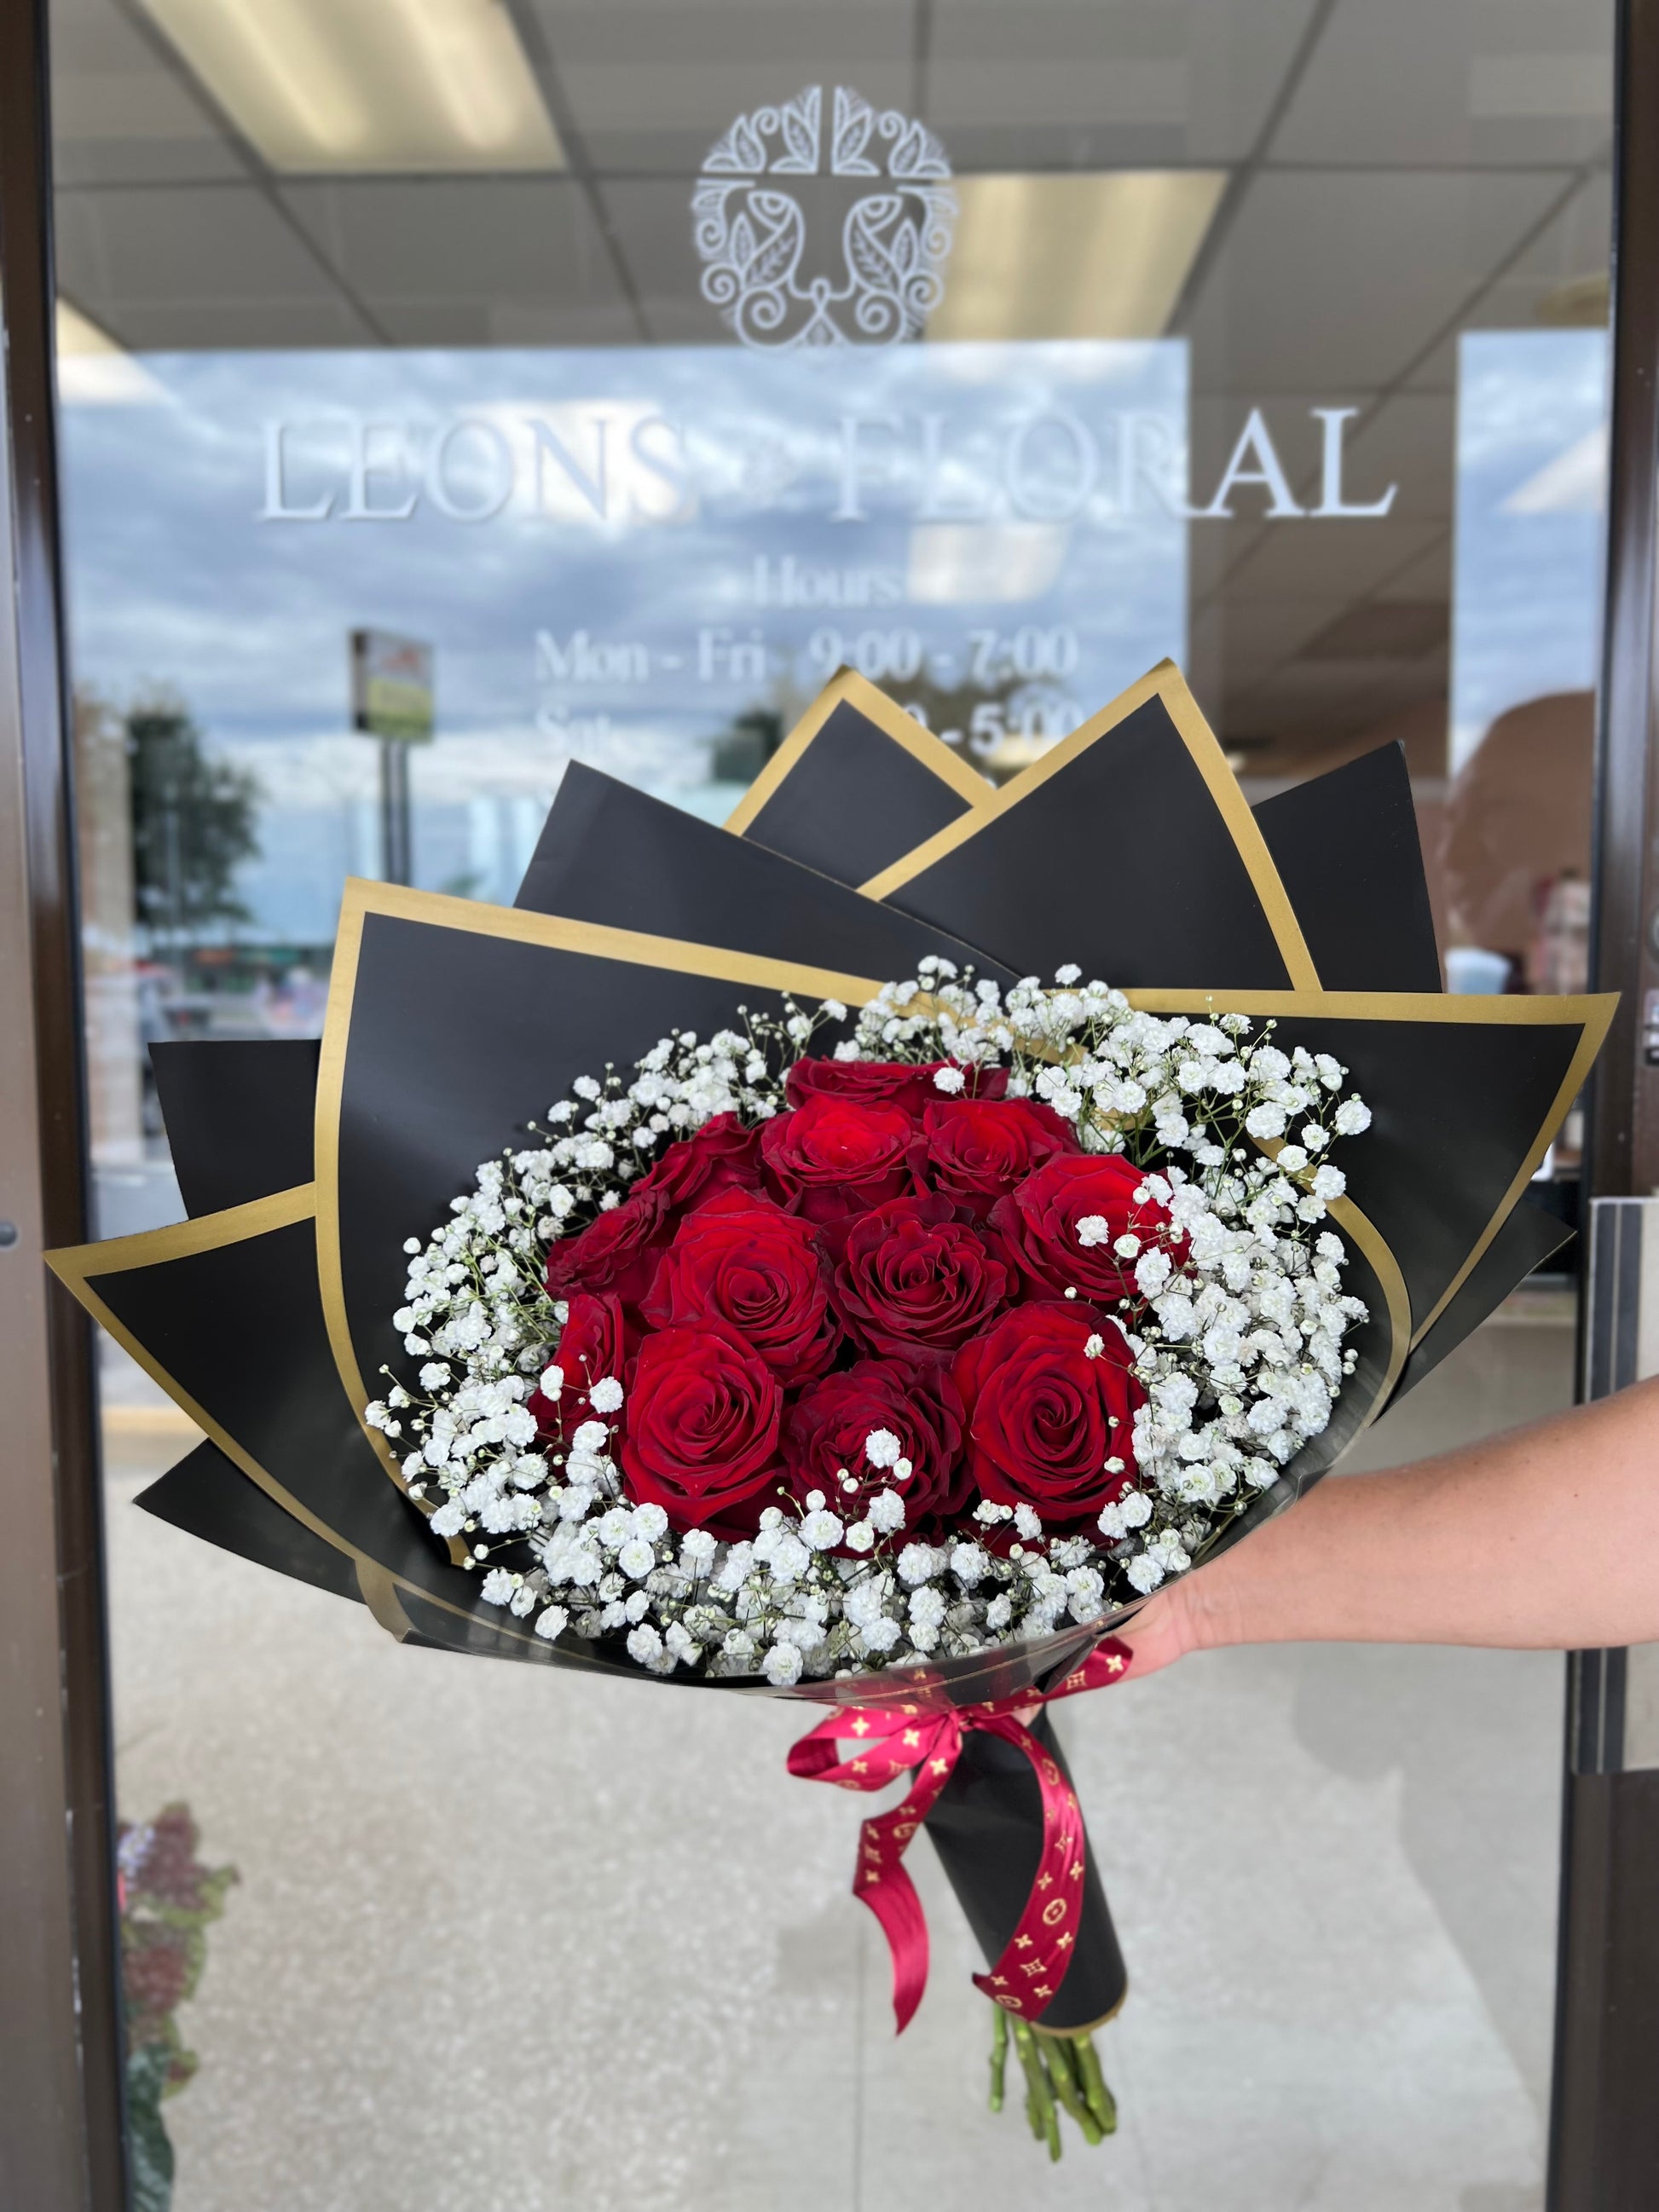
[[455, 389]]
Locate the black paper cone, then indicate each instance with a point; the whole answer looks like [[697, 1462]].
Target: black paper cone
[[1346, 849], [1529, 1236], [987, 1827], [614, 855], [238, 1117], [856, 784], [1463, 1092], [208, 1494], [1128, 848]]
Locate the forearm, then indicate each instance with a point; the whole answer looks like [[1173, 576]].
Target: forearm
[[1547, 1535]]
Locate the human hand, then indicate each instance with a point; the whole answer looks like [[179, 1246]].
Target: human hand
[[1164, 1630]]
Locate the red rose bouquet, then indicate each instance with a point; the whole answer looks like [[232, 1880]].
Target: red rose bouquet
[[884, 1358], [779, 1368], [790, 1367]]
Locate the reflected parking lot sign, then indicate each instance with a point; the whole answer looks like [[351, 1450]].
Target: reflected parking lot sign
[[390, 686]]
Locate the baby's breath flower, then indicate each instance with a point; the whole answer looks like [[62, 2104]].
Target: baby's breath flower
[[1234, 1322]]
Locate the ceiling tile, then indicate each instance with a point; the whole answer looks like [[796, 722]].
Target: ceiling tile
[[652, 84], [201, 245], [1337, 560], [1111, 83], [523, 240], [120, 113], [1420, 82], [1330, 281]]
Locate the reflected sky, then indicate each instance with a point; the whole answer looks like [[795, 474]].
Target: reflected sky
[[1531, 488], [620, 554], [617, 555]]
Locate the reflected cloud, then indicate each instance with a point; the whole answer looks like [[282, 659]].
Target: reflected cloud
[[1574, 483], [1531, 463], [985, 563], [617, 555]]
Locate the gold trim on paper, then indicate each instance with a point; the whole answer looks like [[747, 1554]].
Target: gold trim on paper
[[1590, 1043], [1592, 1011], [378, 1588], [1365, 1234], [1164, 682], [1088, 2027], [182, 1240], [74, 1264], [476, 919], [852, 689]]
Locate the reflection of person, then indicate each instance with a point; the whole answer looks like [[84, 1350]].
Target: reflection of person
[[1545, 1537], [293, 1006], [1517, 821]]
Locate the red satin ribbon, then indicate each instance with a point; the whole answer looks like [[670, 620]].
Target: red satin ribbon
[[890, 1741]]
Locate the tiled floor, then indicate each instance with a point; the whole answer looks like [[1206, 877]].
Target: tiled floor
[[506, 1940]]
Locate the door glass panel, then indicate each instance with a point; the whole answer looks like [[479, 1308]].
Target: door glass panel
[[612, 376]]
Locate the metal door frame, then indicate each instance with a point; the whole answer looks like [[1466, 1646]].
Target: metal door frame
[[1604, 2117]]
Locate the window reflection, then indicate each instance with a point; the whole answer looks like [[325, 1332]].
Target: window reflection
[[1265, 334]]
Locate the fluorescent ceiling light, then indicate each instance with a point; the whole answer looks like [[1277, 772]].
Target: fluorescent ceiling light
[[93, 371], [369, 85], [1098, 255]]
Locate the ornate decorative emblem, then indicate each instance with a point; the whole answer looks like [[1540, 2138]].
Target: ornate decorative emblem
[[751, 231]]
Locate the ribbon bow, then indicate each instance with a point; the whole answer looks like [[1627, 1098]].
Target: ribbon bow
[[890, 1741]]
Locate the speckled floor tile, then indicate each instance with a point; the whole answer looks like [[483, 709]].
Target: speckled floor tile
[[505, 1939]]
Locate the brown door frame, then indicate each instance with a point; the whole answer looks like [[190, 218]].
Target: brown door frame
[[61, 2146]]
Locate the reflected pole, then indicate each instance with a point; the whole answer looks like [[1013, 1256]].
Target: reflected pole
[[397, 840]]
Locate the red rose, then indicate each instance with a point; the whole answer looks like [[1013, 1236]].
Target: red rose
[[975, 1151], [593, 1344], [723, 1155], [746, 1262], [882, 1082], [701, 1429], [913, 1280], [831, 1157], [828, 1427], [1040, 1220], [618, 1251], [1044, 1418]]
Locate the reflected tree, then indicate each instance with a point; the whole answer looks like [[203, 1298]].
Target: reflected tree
[[194, 821]]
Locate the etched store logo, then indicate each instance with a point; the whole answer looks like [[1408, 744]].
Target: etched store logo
[[878, 274]]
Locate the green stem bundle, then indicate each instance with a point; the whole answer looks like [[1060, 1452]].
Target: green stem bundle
[[1061, 2072]]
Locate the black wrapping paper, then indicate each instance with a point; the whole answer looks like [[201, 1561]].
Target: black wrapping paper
[[208, 1494], [1127, 849], [403, 1125], [856, 784], [615, 856], [987, 1827], [238, 1117], [1525, 1239], [1346, 846]]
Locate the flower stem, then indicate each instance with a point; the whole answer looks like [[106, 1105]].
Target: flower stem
[[999, 2058], [1101, 2102], [1059, 2055], [1061, 2070], [1039, 2093]]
